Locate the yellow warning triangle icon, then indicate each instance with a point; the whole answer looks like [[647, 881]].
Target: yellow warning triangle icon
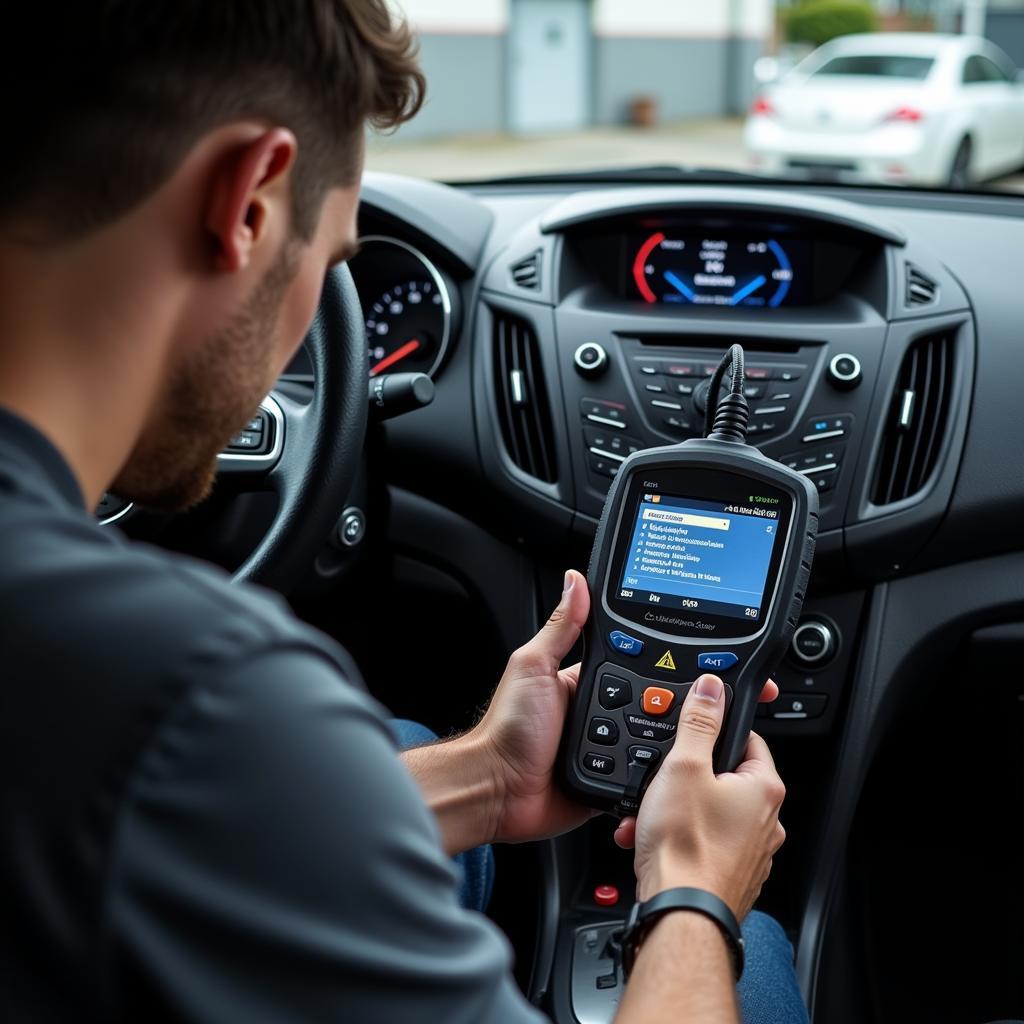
[[666, 661]]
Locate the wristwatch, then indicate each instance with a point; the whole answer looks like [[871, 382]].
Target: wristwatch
[[644, 915]]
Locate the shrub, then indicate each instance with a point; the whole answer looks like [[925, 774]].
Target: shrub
[[818, 21]]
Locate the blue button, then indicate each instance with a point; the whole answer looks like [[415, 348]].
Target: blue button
[[716, 660], [626, 643]]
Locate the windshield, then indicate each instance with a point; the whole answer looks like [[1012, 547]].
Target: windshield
[[838, 91]]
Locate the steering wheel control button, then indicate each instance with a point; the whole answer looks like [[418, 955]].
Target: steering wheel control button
[[813, 642], [716, 661], [657, 700], [614, 693], [248, 441], [603, 731], [644, 755], [626, 644], [844, 371], [590, 359], [600, 764], [606, 895], [352, 527], [799, 705]]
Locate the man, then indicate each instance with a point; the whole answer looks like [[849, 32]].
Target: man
[[204, 817]]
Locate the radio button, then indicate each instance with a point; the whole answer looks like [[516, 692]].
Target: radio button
[[614, 693], [678, 423], [681, 370], [603, 731], [799, 705], [626, 644], [600, 764]]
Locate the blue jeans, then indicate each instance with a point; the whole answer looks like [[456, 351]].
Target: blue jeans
[[768, 990], [475, 867]]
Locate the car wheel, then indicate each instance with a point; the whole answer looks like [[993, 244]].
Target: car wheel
[[960, 171]]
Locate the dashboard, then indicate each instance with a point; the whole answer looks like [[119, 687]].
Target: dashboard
[[567, 325]]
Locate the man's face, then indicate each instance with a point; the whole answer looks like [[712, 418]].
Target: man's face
[[216, 385]]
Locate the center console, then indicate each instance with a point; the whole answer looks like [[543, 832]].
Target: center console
[[596, 336]]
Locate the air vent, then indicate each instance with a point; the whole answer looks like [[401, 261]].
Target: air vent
[[526, 273], [921, 289], [522, 400], [917, 418]]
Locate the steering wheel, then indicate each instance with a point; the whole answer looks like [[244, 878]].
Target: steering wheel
[[317, 447]]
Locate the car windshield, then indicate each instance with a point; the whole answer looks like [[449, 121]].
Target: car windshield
[[880, 93], [878, 66]]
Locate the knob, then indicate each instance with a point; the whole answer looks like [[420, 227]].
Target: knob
[[590, 359], [844, 371], [814, 642]]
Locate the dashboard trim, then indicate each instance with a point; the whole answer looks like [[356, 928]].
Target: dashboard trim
[[585, 208]]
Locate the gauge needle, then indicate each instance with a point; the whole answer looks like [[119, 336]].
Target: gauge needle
[[400, 353], [679, 286], [747, 289]]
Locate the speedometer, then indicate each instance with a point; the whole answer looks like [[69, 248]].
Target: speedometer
[[407, 306], [405, 326], [710, 270]]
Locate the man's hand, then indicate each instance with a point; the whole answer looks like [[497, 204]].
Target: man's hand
[[524, 722], [496, 783], [694, 828]]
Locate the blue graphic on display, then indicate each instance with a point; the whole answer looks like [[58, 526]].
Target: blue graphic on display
[[699, 555]]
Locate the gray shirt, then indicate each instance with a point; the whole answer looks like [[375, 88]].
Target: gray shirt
[[204, 817]]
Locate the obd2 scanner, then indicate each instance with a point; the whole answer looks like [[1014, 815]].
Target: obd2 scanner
[[700, 564]]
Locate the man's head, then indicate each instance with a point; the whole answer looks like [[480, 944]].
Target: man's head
[[221, 142]]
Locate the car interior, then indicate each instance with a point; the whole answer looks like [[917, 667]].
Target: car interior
[[519, 349]]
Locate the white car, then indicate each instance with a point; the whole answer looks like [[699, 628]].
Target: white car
[[898, 108]]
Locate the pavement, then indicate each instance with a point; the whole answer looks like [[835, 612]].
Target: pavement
[[712, 143]]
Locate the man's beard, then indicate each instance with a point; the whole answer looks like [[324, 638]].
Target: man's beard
[[206, 402]]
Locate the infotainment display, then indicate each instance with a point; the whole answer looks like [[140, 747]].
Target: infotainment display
[[701, 268]]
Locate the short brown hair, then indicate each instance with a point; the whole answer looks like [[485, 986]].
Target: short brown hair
[[120, 90]]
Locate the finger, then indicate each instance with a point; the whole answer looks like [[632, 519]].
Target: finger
[[757, 757], [700, 721], [570, 677], [769, 692], [625, 834], [556, 637]]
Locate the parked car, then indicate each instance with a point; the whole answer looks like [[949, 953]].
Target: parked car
[[894, 108]]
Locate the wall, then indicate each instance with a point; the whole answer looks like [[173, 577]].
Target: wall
[[463, 52], [694, 56]]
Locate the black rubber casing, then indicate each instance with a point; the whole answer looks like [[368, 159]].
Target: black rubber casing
[[758, 654]]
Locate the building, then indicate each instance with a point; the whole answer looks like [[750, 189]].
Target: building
[[535, 66]]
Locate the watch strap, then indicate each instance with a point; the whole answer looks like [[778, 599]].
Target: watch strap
[[644, 915]]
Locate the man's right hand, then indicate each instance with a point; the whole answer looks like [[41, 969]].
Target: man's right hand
[[697, 829]]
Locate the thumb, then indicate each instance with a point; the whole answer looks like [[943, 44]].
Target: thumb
[[556, 637], [700, 722]]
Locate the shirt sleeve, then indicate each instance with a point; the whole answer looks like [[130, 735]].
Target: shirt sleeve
[[273, 861]]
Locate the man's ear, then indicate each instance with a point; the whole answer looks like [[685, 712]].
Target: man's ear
[[248, 183]]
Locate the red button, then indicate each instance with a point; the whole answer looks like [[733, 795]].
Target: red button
[[606, 895]]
